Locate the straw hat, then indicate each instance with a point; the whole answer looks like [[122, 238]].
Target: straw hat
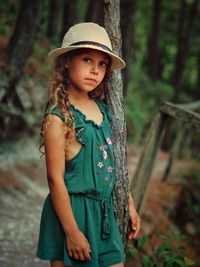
[[88, 35]]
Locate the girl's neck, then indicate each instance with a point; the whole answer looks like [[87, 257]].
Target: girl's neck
[[78, 97]]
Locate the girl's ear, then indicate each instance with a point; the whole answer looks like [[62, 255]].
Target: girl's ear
[[67, 64]]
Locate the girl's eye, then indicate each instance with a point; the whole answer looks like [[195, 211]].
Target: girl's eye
[[87, 59], [104, 64]]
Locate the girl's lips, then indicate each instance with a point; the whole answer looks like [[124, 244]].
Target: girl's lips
[[91, 80]]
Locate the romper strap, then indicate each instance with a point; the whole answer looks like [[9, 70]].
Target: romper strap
[[105, 109], [55, 111]]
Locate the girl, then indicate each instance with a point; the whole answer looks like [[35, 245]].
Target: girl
[[78, 227]]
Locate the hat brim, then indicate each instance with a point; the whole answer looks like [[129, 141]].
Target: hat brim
[[117, 62]]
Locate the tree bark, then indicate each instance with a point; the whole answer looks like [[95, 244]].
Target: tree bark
[[186, 21], [114, 95], [69, 16], [54, 14], [20, 44], [95, 12], [127, 8]]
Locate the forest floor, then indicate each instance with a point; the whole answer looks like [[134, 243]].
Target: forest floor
[[23, 187]]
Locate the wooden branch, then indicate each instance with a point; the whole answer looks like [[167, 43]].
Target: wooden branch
[[193, 105], [144, 169], [147, 159], [181, 133], [181, 113]]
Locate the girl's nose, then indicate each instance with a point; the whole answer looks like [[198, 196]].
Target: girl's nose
[[95, 70]]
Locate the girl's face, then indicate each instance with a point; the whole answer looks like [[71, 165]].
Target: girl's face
[[87, 69]]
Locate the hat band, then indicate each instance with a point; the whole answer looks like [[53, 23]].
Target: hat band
[[92, 43]]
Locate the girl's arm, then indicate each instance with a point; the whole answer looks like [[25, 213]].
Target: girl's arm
[[134, 219], [54, 142]]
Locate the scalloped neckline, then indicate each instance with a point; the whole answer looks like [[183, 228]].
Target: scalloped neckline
[[90, 120]]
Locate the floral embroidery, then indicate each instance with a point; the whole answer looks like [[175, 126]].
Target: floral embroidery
[[100, 164], [105, 154], [110, 168], [109, 141]]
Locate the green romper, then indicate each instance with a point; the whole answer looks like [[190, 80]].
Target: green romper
[[89, 178]]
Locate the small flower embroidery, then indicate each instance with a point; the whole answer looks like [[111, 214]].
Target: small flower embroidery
[[100, 164], [101, 147], [105, 154], [109, 141], [110, 169]]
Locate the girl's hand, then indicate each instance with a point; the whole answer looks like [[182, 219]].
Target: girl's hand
[[134, 221], [78, 246]]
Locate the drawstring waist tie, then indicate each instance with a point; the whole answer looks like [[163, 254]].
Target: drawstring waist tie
[[105, 208]]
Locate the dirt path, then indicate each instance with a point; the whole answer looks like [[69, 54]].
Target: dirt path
[[22, 191], [23, 188]]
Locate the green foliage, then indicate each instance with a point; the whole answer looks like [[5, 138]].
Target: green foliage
[[8, 16], [40, 50], [143, 100], [81, 8], [135, 116], [164, 255], [144, 96]]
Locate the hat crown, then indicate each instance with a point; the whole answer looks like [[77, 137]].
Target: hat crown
[[84, 32]]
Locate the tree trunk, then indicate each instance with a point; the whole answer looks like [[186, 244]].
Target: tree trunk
[[127, 8], [114, 95], [186, 21], [54, 14], [153, 57], [15, 57], [95, 12], [69, 16], [22, 39]]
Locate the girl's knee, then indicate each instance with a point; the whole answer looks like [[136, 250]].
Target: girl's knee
[[58, 264], [118, 265]]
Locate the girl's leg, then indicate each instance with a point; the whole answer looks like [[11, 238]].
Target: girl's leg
[[118, 265], [58, 264]]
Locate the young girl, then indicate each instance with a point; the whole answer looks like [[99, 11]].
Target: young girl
[[78, 227]]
